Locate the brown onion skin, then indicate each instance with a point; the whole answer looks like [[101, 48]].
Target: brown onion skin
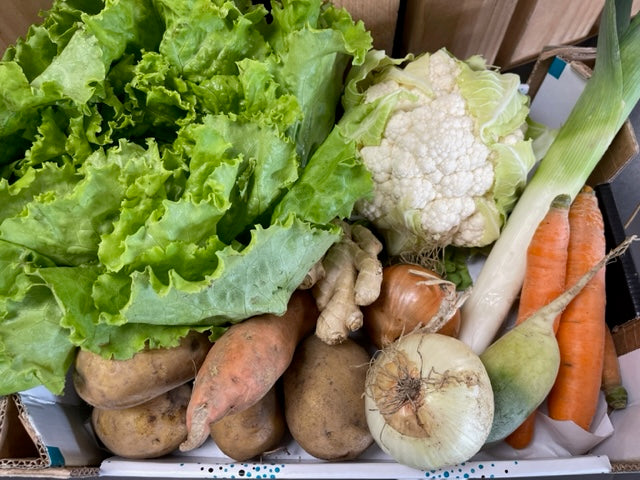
[[404, 305]]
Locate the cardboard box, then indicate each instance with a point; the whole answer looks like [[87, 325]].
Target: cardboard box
[[33, 444], [506, 32], [45, 434], [539, 23], [465, 28]]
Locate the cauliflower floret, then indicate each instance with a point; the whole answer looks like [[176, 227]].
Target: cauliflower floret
[[471, 228], [443, 72], [433, 164], [434, 173]]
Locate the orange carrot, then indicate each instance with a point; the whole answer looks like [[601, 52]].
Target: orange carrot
[[244, 363], [614, 391], [544, 280], [580, 335], [546, 260]]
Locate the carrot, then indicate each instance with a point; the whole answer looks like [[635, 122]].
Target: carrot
[[244, 363], [546, 260], [544, 280], [580, 335], [614, 391]]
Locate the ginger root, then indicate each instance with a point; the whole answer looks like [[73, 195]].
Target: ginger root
[[349, 276]]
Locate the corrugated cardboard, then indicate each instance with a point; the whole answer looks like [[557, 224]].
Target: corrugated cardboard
[[627, 336], [465, 27], [15, 440], [40, 432], [506, 32], [538, 23]]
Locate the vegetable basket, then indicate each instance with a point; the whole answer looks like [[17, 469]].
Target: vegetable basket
[[43, 435]]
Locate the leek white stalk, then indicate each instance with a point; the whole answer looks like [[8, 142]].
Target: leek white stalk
[[428, 401], [608, 98]]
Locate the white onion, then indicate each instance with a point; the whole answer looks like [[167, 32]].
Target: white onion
[[428, 401]]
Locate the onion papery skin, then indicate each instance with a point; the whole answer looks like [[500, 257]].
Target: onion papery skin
[[411, 297], [450, 418]]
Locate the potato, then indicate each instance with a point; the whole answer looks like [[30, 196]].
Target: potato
[[107, 383], [323, 399], [251, 432], [148, 430]]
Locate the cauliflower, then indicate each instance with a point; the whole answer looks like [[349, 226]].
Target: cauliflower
[[444, 142]]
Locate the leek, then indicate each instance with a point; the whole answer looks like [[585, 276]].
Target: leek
[[606, 102]]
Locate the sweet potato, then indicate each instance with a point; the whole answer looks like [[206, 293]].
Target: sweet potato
[[244, 363]]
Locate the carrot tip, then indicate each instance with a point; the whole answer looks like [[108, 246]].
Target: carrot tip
[[561, 201], [617, 397]]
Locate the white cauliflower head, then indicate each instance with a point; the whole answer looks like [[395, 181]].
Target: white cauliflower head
[[450, 157]]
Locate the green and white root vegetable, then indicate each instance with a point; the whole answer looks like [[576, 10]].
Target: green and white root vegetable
[[428, 401], [608, 98], [524, 362], [352, 278]]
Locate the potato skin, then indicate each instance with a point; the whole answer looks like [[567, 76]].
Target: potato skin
[[324, 401], [108, 384], [148, 430], [251, 432]]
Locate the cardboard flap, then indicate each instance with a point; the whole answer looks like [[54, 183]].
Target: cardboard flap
[[579, 58], [41, 431], [627, 336], [621, 150], [20, 446]]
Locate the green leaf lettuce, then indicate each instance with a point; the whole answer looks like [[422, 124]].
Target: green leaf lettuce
[[166, 166]]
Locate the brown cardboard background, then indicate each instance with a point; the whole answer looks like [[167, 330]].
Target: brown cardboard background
[[16, 18]]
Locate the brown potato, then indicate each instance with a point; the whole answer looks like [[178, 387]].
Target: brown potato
[[251, 432], [323, 399], [108, 384], [149, 430]]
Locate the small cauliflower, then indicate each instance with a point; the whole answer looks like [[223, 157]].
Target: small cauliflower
[[444, 142]]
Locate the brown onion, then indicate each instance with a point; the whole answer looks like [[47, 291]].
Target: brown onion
[[411, 297]]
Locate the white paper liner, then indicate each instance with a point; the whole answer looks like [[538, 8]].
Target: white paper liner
[[209, 462], [624, 444]]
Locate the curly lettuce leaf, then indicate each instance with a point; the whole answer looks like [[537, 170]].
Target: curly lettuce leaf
[[248, 281], [73, 288], [315, 46], [204, 38], [29, 315], [66, 225], [334, 178], [145, 149]]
